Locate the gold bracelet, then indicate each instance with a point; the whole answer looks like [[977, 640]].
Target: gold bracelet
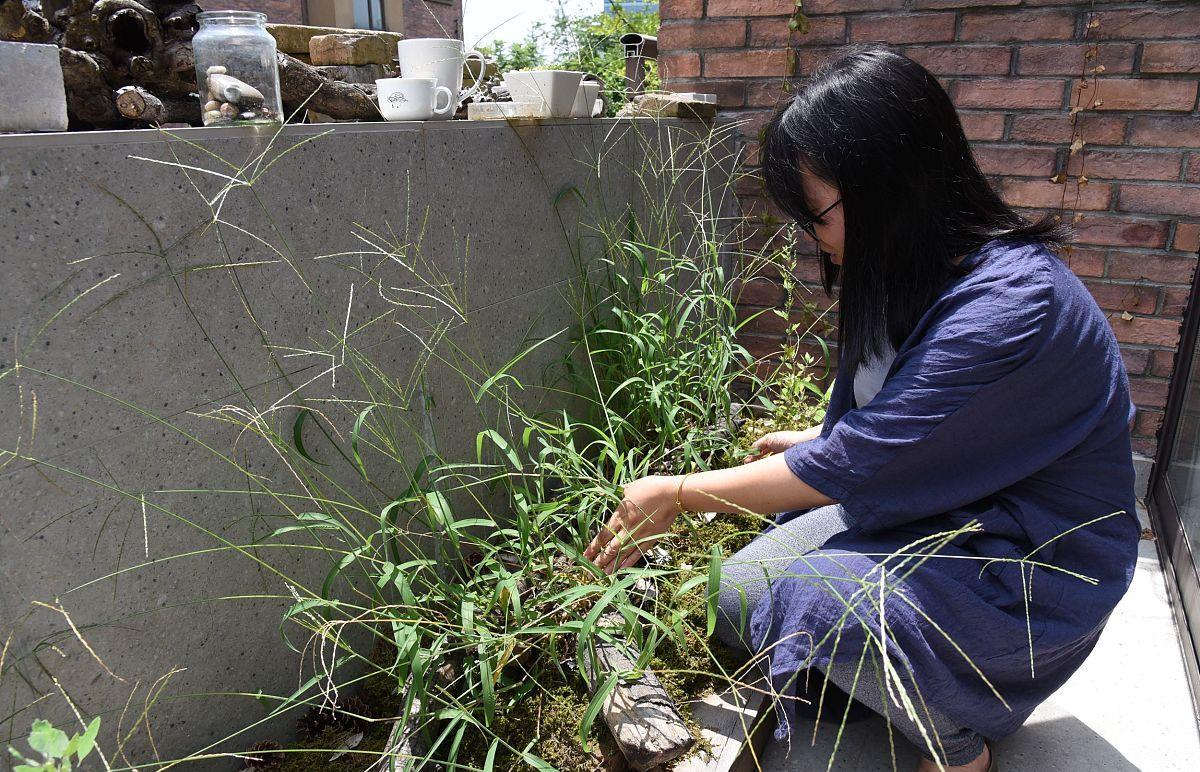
[[679, 493]]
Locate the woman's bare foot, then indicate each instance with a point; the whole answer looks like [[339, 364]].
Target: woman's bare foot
[[980, 764]]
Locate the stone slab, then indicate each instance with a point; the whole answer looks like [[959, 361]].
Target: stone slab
[[353, 49], [669, 106], [32, 96], [293, 38]]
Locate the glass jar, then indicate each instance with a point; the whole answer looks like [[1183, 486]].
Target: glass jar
[[236, 68]]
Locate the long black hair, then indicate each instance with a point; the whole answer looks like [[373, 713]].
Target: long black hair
[[880, 128]]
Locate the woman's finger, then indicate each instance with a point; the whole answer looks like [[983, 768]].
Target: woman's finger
[[607, 561], [602, 537], [634, 556]]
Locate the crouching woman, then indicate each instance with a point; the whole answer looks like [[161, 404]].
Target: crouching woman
[[955, 535]]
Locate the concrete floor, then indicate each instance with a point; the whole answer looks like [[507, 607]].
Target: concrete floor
[[1128, 708]]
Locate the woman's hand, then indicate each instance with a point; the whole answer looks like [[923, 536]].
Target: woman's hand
[[777, 442], [644, 515]]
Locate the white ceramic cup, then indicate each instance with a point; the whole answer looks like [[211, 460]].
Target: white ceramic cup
[[412, 99], [588, 103], [556, 90], [443, 60]]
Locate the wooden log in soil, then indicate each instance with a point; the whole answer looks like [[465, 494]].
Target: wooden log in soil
[[404, 742], [642, 717]]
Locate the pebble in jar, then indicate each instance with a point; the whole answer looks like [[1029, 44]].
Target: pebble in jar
[[236, 68]]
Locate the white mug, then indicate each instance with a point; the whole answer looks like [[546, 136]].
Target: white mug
[[588, 103], [443, 60], [412, 99]]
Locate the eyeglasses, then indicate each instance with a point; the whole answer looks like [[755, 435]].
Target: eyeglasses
[[807, 226]]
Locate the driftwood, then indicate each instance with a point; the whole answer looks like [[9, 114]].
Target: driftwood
[[640, 714], [109, 45], [138, 104], [303, 84]]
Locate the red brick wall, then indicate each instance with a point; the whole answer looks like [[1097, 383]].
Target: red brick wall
[[432, 19], [277, 11], [1012, 68]]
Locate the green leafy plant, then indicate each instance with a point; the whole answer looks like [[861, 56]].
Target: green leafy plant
[[56, 748]]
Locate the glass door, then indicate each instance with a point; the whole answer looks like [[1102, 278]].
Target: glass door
[[1175, 487]]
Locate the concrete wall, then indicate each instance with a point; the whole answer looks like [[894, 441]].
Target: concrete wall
[[178, 326]]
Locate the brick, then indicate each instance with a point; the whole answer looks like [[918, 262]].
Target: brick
[[350, 49], [962, 60], [1147, 422], [1149, 22], [1163, 131], [1136, 360], [746, 64], [1145, 331], [752, 121], [759, 291], [1009, 92], [923, 4], [681, 9], [766, 93], [1151, 392], [1126, 164], [753, 151], [744, 8], [1004, 26], [850, 6], [1141, 94], [1014, 160], [903, 28], [809, 59], [764, 347], [981, 126], [1161, 269], [676, 35], [1160, 199], [1134, 298], [730, 93], [679, 65], [1192, 173], [1174, 301], [1162, 363], [1046, 194], [1060, 59], [1121, 231], [774, 33], [1187, 237], [1085, 262], [1145, 447], [1056, 129], [1171, 57]]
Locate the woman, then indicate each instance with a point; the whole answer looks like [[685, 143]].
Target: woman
[[957, 532]]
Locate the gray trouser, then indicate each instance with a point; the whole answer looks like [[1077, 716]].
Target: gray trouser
[[769, 556]]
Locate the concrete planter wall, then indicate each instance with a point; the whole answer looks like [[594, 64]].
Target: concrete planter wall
[[170, 333]]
